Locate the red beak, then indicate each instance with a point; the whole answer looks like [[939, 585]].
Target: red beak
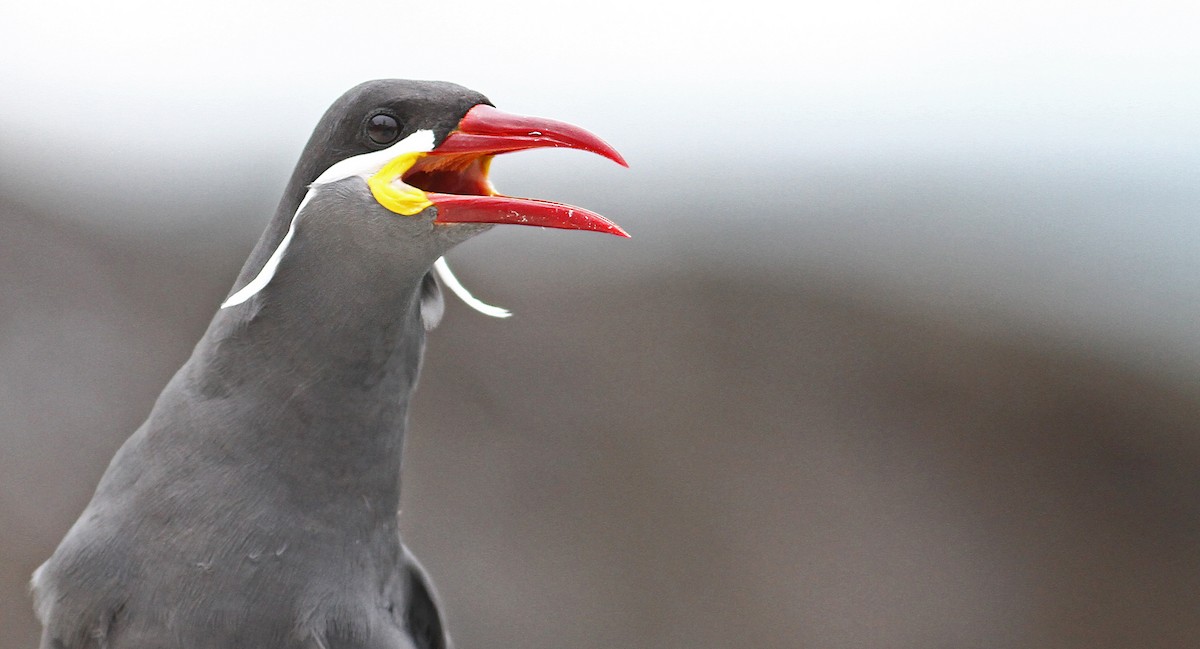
[[454, 175]]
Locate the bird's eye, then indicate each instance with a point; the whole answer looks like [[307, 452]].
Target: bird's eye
[[383, 129]]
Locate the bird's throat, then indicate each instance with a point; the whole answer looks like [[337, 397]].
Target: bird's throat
[[317, 395]]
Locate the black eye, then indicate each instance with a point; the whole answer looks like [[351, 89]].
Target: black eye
[[383, 129]]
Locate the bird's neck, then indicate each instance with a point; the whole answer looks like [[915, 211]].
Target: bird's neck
[[314, 386]]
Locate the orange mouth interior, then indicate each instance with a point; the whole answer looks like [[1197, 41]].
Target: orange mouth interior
[[463, 174]]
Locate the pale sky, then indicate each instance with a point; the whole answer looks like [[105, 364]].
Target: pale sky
[[701, 75]]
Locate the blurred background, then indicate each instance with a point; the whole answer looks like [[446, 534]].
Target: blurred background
[[903, 352]]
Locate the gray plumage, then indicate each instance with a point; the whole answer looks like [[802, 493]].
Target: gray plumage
[[256, 506]]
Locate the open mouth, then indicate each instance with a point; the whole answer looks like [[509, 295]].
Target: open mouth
[[454, 176], [463, 174]]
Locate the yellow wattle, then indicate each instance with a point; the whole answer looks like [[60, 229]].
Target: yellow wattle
[[404, 200]]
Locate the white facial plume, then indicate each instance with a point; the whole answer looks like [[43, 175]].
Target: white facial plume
[[363, 166]]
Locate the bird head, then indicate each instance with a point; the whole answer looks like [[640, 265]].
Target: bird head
[[404, 164]]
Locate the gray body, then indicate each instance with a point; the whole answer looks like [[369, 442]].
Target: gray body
[[256, 506]]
